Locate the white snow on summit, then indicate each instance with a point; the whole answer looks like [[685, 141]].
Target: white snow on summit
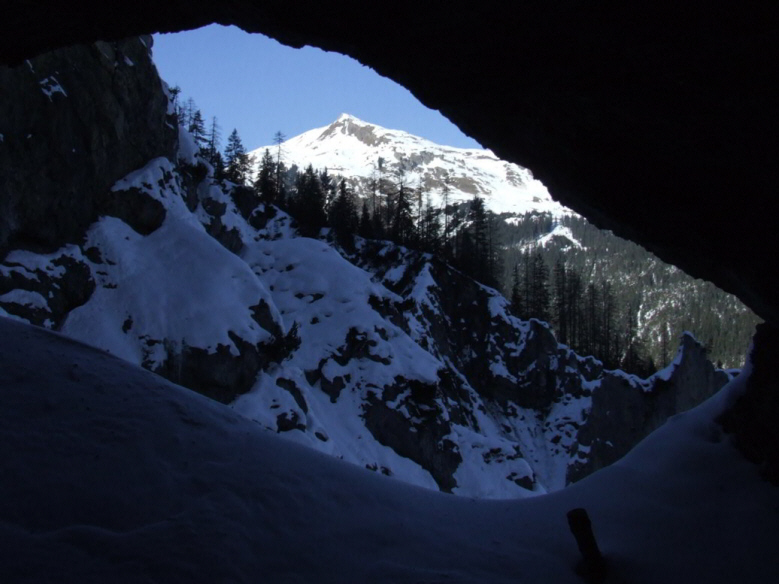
[[351, 148]]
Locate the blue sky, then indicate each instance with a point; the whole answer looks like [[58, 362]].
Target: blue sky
[[259, 86]]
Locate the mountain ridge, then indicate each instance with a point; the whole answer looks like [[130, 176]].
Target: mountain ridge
[[351, 148]]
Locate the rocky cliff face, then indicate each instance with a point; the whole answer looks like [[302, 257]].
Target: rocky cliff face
[[626, 409], [380, 356], [75, 121], [569, 415]]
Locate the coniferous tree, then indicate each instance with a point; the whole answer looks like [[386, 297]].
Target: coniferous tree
[[466, 253], [402, 221], [329, 187], [607, 344], [472, 246], [373, 186], [592, 319], [377, 224], [665, 357], [561, 309], [450, 234], [286, 176], [237, 161], [380, 203], [219, 167], [342, 215], [632, 361], [445, 191], [212, 142], [532, 287], [526, 278], [494, 251], [366, 225], [539, 289], [197, 128], [430, 229], [233, 148], [480, 235], [418, 219], [265, 186], [188, 111], [516, 294], [390, 192], [278, 139], [573, 293], [308, 206]]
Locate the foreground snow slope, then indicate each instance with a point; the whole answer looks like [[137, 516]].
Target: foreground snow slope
[[113, 474]]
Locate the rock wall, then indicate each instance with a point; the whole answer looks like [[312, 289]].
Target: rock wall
[[74, 122], [625, 411], [752, 419], [533, 388]]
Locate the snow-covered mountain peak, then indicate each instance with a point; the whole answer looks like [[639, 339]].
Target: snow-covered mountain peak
[[350, 121], [350, 126], [363, 152]]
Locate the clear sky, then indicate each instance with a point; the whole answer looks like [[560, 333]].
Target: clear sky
[[259, 86]]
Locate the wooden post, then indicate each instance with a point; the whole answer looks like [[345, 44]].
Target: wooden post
[[592, 566]]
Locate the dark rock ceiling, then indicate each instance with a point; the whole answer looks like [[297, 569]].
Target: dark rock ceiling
[[654, 119]]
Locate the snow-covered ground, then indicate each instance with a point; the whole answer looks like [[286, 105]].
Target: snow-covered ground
[[110, 473], [365, 378], [177, 288], [560, 232]]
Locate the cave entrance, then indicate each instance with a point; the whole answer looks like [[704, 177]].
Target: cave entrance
[[261, 88]]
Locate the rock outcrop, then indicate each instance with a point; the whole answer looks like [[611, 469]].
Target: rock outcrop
[[625, 410], [589, 417], [74, 122]]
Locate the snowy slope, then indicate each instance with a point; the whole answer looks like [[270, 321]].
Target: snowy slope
[[176, 283], [354, 365], [351, 148], [113, 474], [367, 357], [383, 357], [178, 303]]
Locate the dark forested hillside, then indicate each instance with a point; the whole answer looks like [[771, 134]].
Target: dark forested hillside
[[650, 303]]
